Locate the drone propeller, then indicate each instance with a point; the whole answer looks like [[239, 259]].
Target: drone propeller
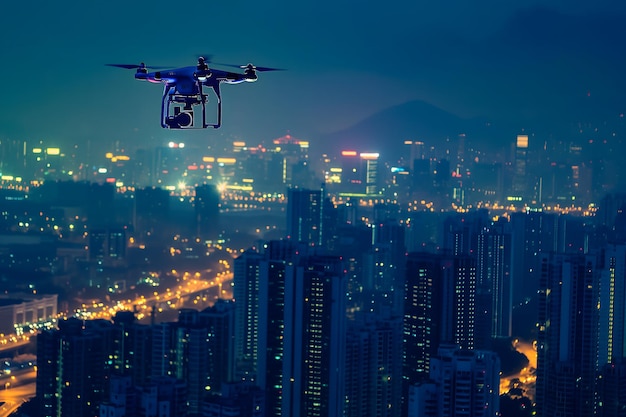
[[251, 67], [134, 66]]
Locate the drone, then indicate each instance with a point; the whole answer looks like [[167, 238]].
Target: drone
[[184, 90]]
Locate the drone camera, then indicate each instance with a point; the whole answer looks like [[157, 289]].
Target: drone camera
[[180, 119]]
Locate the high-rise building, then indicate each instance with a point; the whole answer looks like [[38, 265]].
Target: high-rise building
[[301, 339], [533, 233], [373, 366], [259, 292], [246, 295], [519, 187], [423, 315], [207, 210], [314, 341], [71, 369], [107, 245], [439, 307], [459, 301], [152, 211], [567, 339], [271, 341], [494, 290], [203, 350], [612, 336], [612, 332], [359, 172], [132, 348], [291, 154], [304, 216]]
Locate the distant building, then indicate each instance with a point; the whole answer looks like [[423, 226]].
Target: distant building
[[152, 212], [207, 210], [26, 310], [520, 188], [304, 216], [359, 173], [107, 245]]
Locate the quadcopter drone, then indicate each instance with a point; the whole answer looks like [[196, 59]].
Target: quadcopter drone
[[183, 91]]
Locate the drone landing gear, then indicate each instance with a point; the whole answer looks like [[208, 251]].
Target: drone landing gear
[[177, 110]]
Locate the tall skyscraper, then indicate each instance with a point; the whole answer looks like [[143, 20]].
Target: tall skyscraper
[[494, 290], [534, 232], [383, 268], [612, 334], [373, 366], [567, 340], [440, 307], [304, 216], [612, 337], [246, 295], [301, 343], [459, 301], [423, 315], [314, 342], [519, 187]]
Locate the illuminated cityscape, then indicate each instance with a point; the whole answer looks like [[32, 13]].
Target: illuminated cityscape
[[267, 280], [408, 210]]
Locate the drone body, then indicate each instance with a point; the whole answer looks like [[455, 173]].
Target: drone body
[[183, 91]]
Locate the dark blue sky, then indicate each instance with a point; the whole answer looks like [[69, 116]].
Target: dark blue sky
[[345, 61]]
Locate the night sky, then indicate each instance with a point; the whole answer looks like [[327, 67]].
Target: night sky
[[345, 60]]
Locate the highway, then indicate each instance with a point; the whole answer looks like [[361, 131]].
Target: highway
[[16, 389]]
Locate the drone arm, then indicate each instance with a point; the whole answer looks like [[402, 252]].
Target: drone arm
[[164, 105], [216, 89]]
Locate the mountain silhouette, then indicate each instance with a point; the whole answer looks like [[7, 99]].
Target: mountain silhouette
[[386, 131]]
